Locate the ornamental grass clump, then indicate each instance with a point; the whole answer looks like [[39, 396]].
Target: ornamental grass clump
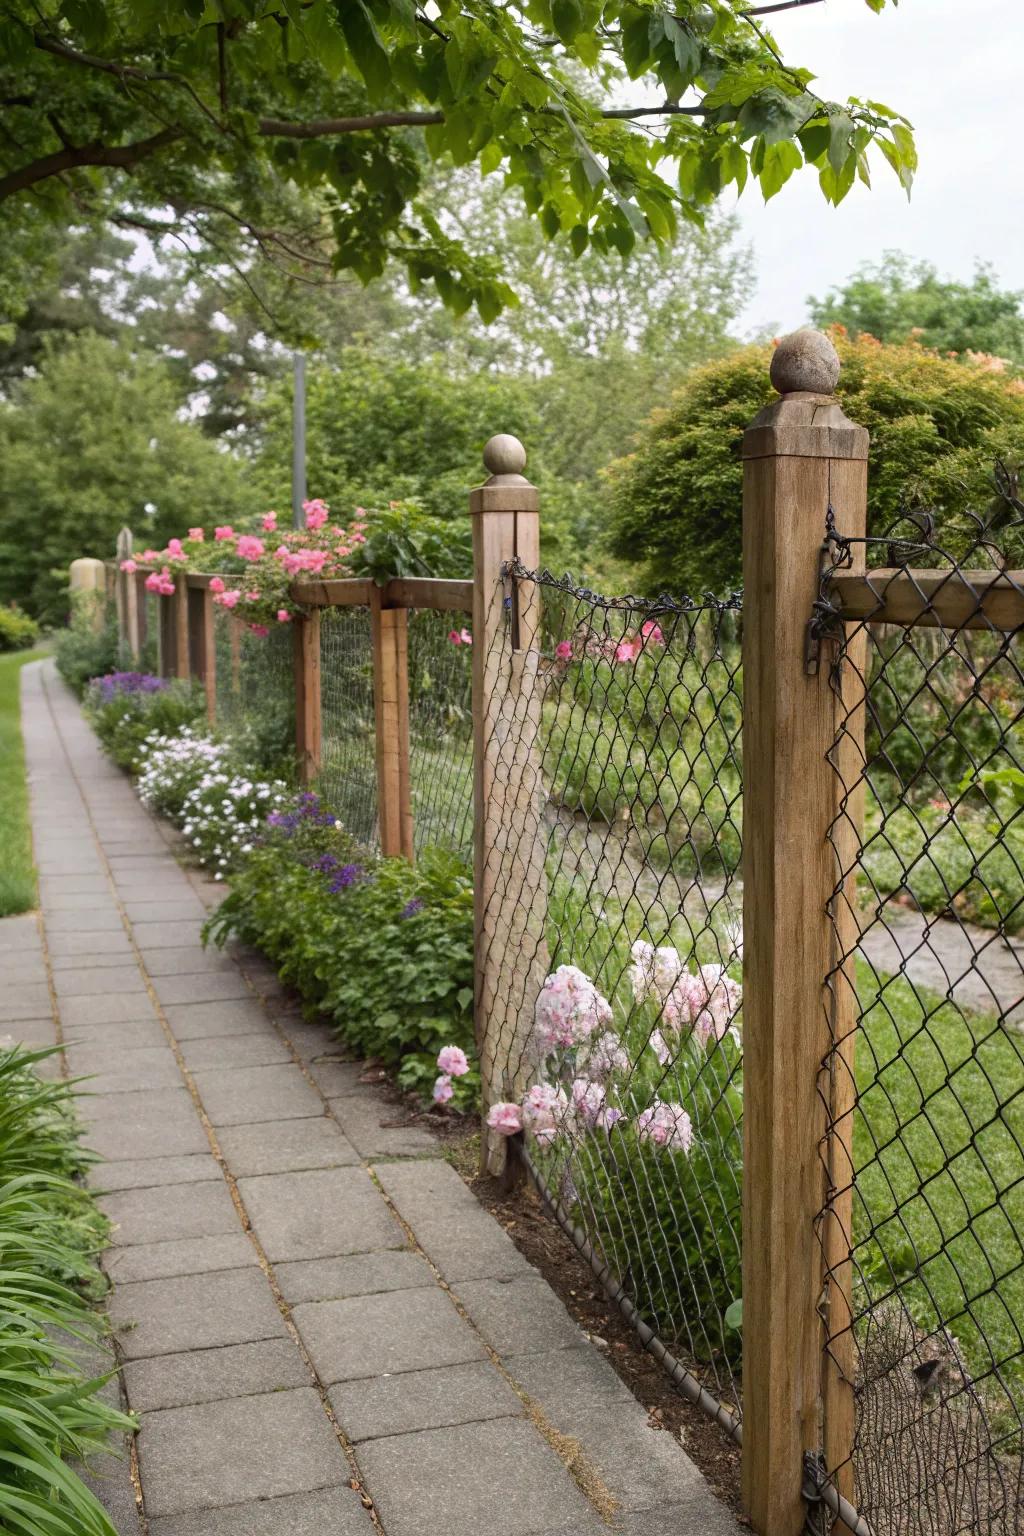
[[51, 1414]]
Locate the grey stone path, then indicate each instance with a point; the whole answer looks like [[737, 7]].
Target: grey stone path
[[319, 1327]]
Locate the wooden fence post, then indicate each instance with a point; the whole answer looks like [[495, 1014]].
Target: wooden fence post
[[510, 888], [308, 734], [179, 603], [801, 455], [167, 639], [202, 646], [390, 631], [127, 599]]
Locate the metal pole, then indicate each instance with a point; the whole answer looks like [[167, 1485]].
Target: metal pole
[[299, 442]]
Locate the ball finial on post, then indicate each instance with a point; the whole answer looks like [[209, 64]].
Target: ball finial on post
[[805, 362], [504, 458]]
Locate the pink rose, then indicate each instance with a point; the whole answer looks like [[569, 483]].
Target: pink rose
[[129, 566], [270, 522], [149, 555], [651, 633], [443, 1090], [228, 599], [506, 1119], [260, 629], [453, 1060], [249, 547], [196, 535], [283, 616], [224, 532], [175, 549], [454, 637], [465, 637], [252, 597], [317, 512], [563, 650], [628, 650], [217, 584]]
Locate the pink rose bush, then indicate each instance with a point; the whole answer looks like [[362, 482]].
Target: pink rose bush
[[569, 1010], [262, 569]]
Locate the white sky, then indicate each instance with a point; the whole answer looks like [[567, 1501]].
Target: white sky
[[955, 68]]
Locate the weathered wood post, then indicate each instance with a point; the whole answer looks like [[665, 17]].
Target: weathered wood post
[[87, 579], [801, 456], [167, 638], [202, 644], [510, 888], [127, 599], [179, 604], [390, 634], [308, 727]]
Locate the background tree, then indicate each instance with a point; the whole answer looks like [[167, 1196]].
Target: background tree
[[937, 425], [304, 132], [91, 441], [897, 298]]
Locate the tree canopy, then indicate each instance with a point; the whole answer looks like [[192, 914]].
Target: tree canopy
[[937, 427], [304, 129], [898, 298]]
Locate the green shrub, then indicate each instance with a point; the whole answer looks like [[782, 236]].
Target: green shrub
[[937, 425], [17, 631], [383, 949], [127, 708], [50, 1231], [88, 647]]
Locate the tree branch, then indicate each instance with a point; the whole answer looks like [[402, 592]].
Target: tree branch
[[281, 128], [120, 156], [781, 5]]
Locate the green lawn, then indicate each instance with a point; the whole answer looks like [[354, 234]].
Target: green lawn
[[17, 873], [939, 1146]]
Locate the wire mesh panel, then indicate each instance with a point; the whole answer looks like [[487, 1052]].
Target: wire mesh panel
[[925, 1088], [611, 948], [440, 731], [255, 685], [348, 774]]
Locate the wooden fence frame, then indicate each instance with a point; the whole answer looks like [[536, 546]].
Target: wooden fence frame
[[801, 457]]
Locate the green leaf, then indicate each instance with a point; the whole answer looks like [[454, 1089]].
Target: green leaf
[[840, 127], [567, 16], [365, 44], [780, 161], [734, 1315]]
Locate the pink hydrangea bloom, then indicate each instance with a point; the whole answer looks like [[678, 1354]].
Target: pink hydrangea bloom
[[443, 1089], [507, 1119], [225, 531], [130, 566], [217, 584], [563, 650], [665, 1125], [453, 1060], [544, 1111], [270, 522], [283, 616], [588, 1101], [196, 535], [249, 547], [228, 599], [317, 512], [600, 1058], [569, 1010], [654, 971]]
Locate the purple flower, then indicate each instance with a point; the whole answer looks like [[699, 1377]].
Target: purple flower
[[347, 875], [118, 684], [326, 864], [411, 908]]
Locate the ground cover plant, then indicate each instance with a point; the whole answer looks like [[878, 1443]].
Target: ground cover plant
[[17, 873], [88, 646], [126, 708], [51, 1411]]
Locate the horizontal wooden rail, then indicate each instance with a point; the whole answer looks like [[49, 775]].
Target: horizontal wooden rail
[[935, 599], [426, 592], [342, 592], [201, 579]]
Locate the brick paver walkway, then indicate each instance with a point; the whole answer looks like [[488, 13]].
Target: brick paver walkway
[[320, 1328]]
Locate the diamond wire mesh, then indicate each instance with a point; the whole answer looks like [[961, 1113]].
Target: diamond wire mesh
[[440, 732], [611, 947], [928, 900], [348, 774]]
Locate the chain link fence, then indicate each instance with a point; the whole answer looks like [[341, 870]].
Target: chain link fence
[[923, 1228], [611, 949], [348, 771], [255, 690], [440, 731]]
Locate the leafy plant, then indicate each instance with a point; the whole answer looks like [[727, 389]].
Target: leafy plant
[[403, 540], [384, 949], [126, 709], [17, 631], [88, 647], [51, 1414]]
